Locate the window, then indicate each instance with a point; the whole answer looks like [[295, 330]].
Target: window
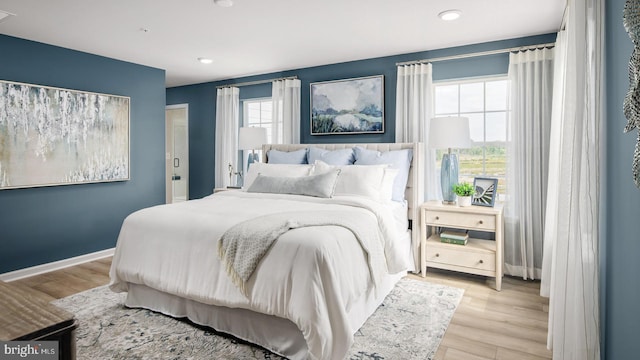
[[257, 112], [485, 103]]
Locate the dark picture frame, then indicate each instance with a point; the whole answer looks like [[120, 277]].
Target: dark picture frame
[[486, 190], [349, 106]]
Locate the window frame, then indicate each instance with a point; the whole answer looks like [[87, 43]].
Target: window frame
[[484, 80], [244, 155], [245, 112]]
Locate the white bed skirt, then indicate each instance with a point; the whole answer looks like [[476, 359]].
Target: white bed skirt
[[276, 334]]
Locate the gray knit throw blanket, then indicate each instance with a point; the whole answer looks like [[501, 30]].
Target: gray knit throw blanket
[[242, 246]]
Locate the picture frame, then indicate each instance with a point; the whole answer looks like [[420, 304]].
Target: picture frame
[[349, 106], [53, 136], [486, 190]]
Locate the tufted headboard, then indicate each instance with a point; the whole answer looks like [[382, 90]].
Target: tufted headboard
[[414, 193]]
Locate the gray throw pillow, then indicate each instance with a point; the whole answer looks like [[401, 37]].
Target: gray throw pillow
[[321, 185]]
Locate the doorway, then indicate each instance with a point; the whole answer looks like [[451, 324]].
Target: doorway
[[177, 153]]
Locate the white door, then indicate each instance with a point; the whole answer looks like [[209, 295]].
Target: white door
[[177, 153]]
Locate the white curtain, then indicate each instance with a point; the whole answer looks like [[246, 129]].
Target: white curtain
[[227, 115], [414, 111], [555, 168], [571, 254], [531, 84], [285, 95]]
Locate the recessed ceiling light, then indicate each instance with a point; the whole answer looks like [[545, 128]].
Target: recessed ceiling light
[[449, 15], [5, 14], [223, 3], [205, 60]]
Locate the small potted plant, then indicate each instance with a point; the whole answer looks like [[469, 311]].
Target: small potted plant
[[465, 191]]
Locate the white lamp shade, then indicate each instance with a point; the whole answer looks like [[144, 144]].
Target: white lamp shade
[[252, 138], [449, 132]]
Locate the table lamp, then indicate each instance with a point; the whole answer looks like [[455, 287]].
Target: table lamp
[[252, 138], [446, 133]]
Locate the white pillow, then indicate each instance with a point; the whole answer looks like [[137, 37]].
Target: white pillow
[[397, 159], [360, 180], [386, 189], [282, 170]]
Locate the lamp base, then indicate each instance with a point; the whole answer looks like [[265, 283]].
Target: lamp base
[[449, 177], [250, 160]]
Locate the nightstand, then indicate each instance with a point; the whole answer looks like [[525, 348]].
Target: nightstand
[[228, 188], [478, 256], [25, 315]]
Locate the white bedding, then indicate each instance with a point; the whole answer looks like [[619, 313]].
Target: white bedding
[[312, 276]]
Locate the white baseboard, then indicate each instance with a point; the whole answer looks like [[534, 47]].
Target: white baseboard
[[56, 265]]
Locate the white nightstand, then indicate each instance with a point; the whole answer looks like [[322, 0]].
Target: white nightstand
[[228, 188], [478, 256]]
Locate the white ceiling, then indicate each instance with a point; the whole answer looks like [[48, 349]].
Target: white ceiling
[[262, 36]]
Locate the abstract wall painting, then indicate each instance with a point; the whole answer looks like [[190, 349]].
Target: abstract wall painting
[[53, 136], [350, 106]]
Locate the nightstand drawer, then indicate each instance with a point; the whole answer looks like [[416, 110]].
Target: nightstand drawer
[[461, 257], [459, 220]]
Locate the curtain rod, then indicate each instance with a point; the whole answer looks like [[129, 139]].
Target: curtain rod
[[482, 53], [257, 82]]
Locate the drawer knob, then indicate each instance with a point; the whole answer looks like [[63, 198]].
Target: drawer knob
[[480, 222], [437, 255], [437, 217], [481, 261]]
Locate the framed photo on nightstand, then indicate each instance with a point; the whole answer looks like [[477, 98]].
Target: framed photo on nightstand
[[486, 190]]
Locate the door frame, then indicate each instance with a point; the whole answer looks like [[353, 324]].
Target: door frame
[[169, 151]]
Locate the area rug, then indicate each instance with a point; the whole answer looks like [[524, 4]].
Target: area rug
[[409, 324]]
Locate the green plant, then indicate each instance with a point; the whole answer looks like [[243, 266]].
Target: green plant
[[464, 189]]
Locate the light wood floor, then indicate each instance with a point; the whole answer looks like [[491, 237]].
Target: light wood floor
[[506, 325]]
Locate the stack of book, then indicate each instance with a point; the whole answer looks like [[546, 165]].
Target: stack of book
[[454, 237]]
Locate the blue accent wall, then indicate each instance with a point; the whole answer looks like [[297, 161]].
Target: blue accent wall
[[41, 225], [202, 113], [621, 244], [201, 97]]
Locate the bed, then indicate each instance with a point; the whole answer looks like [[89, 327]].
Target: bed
[[315, 285]]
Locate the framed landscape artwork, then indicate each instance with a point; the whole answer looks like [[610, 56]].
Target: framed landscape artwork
[[486, 189], [53, 136], [350, 106]]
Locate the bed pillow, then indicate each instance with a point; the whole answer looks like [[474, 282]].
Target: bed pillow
[[359, 180], [331, 157], [386, 189], [268, 169], [321, 185], [287, 157], [396, 159]]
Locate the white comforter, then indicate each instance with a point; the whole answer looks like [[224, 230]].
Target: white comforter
[[310, 276]]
